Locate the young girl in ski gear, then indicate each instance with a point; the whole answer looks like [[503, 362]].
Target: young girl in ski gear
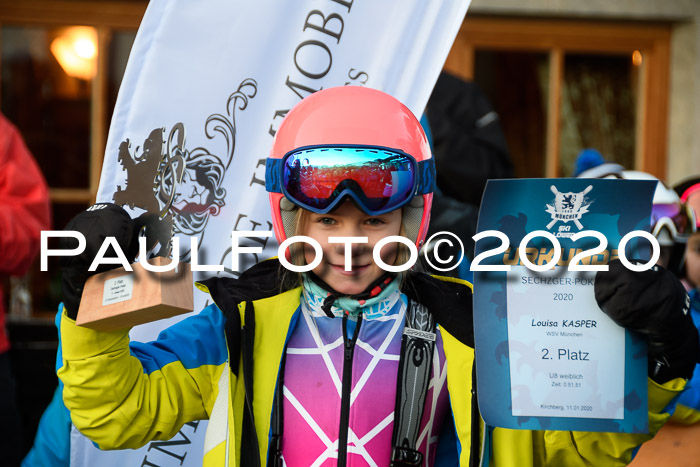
[[346, 364]]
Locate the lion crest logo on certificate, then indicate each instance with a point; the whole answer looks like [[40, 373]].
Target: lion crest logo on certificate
[[547, 357], [568, 207]]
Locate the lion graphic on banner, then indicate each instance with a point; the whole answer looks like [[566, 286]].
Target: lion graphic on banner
[[180, 188]]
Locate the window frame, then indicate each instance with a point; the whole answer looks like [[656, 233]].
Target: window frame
[[557, 37]]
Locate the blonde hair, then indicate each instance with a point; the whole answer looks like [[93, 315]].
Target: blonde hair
[[289, 279]]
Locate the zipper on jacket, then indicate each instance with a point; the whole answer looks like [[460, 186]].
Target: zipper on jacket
[[346, 389]]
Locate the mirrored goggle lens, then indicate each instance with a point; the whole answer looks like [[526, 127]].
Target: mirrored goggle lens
[[680, 218], [381, 180]]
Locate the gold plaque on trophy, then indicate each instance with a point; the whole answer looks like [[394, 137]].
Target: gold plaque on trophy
[[120, 299]]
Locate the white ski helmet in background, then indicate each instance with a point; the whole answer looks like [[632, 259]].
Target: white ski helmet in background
[[672, 221]]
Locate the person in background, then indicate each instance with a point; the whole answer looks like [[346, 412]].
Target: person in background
[[24, 213], [688, 408], [469, 147], [674, 224], [689, 191], [590, 163], [672, 221]]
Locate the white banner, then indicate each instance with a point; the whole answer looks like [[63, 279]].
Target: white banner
[[207, 85]]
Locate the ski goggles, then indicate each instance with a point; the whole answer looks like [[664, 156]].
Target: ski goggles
[[677, 218], [378, 179]]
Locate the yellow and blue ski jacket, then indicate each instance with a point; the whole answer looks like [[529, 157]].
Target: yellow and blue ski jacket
[[224, 365], [688, 407]]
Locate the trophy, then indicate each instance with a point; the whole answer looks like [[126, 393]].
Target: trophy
[[120, 299]]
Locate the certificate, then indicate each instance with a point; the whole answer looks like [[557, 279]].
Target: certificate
[[561, 347], [546, 356]]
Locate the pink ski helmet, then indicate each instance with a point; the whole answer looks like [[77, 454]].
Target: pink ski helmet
[[350, 142]]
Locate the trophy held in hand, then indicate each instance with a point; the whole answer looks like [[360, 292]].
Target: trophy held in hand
[[101, 297], [119, 299]]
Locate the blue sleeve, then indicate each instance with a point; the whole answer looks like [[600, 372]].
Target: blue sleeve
[[154, 387], [52, 441], [690, 397], [194, 341]]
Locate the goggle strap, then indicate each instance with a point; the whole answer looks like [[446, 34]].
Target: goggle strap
[[691, 190], [426, 177], [273, 173]]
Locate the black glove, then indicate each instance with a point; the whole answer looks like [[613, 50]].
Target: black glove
[[96, 223], [653, 303]]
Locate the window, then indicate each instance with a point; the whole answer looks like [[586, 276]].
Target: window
[[562, 85], [61, 64]]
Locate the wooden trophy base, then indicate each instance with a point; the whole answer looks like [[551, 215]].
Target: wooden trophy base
[[119, 299]]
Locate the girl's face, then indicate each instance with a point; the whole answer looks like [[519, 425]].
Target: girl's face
[[348, 221], [692, 260]]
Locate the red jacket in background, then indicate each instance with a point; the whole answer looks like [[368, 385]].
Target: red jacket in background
[[24, 209]]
